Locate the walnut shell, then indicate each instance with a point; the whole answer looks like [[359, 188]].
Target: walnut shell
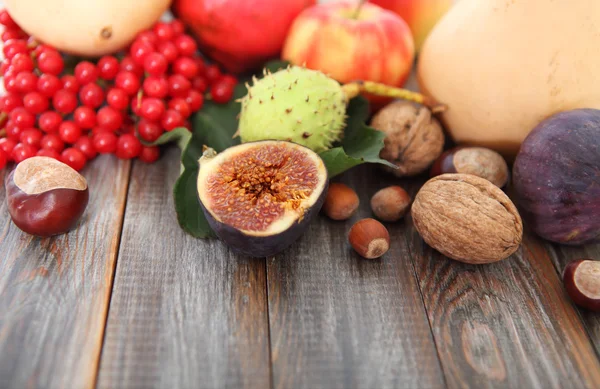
[[467, 218], [414, 139]]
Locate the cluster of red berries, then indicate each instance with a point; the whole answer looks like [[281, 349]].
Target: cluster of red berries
[[105, 107]]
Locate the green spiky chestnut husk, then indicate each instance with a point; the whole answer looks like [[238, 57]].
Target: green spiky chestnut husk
[[295, 104]]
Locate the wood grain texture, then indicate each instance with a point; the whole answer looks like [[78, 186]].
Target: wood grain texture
[[185, 312], [561, 255], [341, 321], [507, 324], [54, 292]]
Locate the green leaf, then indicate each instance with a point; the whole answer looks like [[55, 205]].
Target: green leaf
[[361, 143], [187, 206]]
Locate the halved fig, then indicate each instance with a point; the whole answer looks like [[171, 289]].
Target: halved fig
[[259, 197]]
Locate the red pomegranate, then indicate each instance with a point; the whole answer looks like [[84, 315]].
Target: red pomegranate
[[240, 34]]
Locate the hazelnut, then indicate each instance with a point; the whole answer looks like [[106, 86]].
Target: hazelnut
[[413, 138], [582, 282], [390, 204], [479, 161], [45, 197], [369, 238], [467, 218], [341, 201]]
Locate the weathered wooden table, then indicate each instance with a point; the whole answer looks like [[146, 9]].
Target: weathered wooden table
[[128, 300]]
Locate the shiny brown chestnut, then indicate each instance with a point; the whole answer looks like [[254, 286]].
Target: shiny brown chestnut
[[582, 282], [478, 161], [45, 197]]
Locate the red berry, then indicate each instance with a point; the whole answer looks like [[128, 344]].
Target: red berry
[[69, 132], [12, 130], [109, 118], [52, 141], [10, 101], [185, 66], [147, 36], [84, 117], [178, 85], [200, 84], [149, 131], [10, 34], [186, 45], [151, 108], [22, 118], [136, 103], [91, 95], [201, 65], [7, 145], [4, 66], [180, 105], [129, 65], [105, 142], [50, 62], [85, 145], [171, 120], [86, 72], [26, 82], [127, 81], [3, 159], [164, 31], [21, 152], [35, 102], [74, 158], [50, 153], [70, 83], [155, 64], [169, 50], [22, 62], [117, 98], [149, 154], [31, 137], [14, 47], [156, 86], [212, 74], [139, 50], [64, 101], [6, 20], [97, 130], [178, 27], [221, 92], [10, 84], [48, 85], [108, 67], [128, 146], [229, 79], [49, 122]]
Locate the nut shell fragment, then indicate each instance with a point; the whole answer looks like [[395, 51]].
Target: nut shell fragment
[[467, 218], [414, 138]]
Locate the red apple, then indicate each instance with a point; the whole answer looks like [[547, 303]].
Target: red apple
[[420, 15], [350, 43], [239, 34]]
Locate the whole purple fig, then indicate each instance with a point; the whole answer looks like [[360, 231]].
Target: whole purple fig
[[557, 177]]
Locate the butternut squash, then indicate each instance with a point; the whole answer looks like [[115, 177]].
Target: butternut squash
[[502, 66]]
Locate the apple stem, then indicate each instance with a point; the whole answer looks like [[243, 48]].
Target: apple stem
[[355, 88], [358, 8]]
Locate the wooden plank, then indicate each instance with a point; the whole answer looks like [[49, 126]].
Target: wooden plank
[[54, 292], [340, 321], [185, 313], [507, 324], [561, 256]]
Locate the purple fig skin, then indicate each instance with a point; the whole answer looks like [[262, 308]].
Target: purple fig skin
[[263, 246], [556, 177]]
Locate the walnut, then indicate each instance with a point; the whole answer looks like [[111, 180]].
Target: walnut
[[414, 139], [467, 218]]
